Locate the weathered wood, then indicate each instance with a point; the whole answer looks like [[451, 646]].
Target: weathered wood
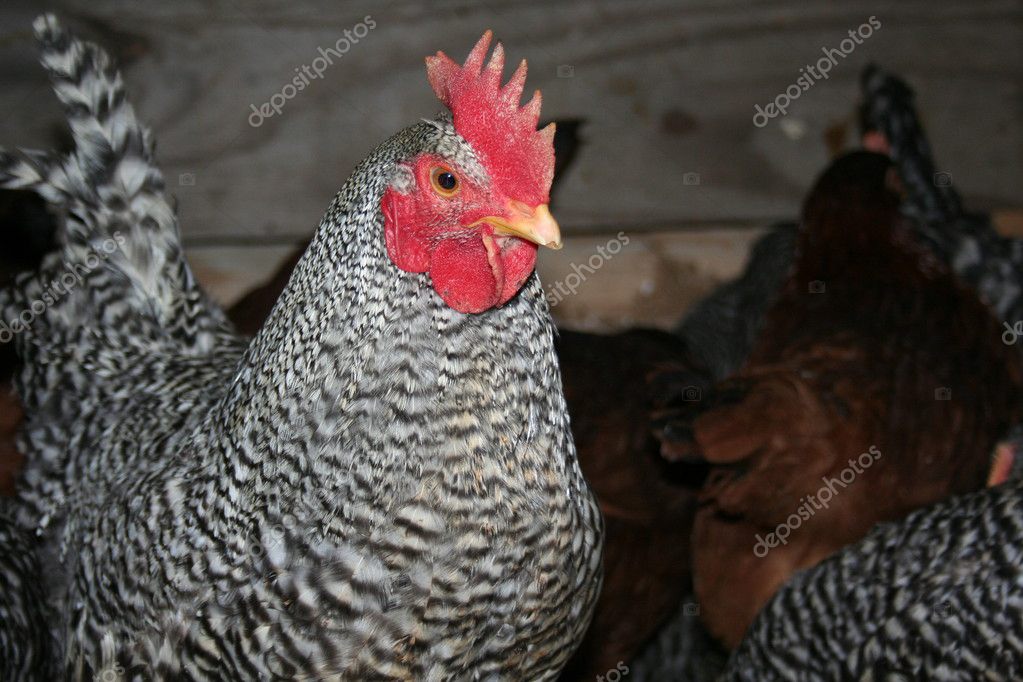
[[667, 88]]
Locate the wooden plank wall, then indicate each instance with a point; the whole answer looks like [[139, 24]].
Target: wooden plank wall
[[666, 89]]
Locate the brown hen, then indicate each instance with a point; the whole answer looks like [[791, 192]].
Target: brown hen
[[879, 385]]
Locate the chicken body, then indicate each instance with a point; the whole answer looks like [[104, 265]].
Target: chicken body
[[721, 330], [647, 503], [376, 487], [26, 641], [935, 596], [879, 385]]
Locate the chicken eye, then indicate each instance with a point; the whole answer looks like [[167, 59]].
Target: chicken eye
[[444, 181]]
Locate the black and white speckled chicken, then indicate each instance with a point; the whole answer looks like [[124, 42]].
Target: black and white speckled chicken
[[936, 596], [988, 262], [27, 645], [381, 485]]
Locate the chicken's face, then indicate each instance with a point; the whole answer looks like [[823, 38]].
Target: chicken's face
[[472, 210], [477, 242]]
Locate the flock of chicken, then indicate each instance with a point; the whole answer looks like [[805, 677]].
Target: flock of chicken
[[408, 474]]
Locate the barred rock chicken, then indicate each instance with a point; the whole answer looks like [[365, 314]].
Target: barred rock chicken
[[381, 485], [879, 385], [936, 596], [26, 642], [988, 262], [647, 503]]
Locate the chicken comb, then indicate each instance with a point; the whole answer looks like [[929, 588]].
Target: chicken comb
[[519, 158]]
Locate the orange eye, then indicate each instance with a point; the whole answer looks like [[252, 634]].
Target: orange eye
[[444, 181]]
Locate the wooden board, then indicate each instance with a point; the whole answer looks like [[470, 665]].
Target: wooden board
[[667, 88]]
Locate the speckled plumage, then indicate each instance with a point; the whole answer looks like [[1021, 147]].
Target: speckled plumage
[[968, 241], [936, 596], [26, 641], [375, 488]]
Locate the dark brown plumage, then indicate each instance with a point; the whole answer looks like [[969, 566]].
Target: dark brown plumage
[[648, 503], [874, 347]]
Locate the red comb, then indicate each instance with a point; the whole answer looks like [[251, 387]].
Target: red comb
[[518, 157]]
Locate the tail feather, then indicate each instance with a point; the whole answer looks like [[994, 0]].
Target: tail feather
[[29, 169], [889, 108], [102, 121], [109, 192], [967, 240]]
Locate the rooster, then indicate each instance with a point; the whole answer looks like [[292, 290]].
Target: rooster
[[880, 384], [382, 484]]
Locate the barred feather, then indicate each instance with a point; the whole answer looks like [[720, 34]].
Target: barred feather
[[937, 596], [375, 487]]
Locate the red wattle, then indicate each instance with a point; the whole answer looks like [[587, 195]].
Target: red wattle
[[518, 258], [464, 277]]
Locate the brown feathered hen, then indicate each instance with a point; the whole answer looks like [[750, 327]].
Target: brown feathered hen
[[648, 503], [879, 385]]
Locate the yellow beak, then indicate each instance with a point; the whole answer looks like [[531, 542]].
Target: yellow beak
[[532, 224]]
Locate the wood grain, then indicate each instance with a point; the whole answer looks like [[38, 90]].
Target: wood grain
[[667, 88]]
